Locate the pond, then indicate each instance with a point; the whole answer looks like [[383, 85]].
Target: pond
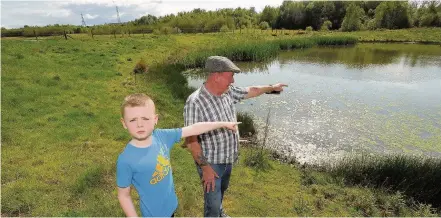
[[367, 98]]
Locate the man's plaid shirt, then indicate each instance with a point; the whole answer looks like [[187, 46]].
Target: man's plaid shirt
[[219, 146]]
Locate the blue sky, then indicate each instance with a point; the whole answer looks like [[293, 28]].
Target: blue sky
[[15, 14]]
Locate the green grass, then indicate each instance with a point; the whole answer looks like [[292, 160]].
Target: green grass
[[422, 35], [61, 132], [295, 43], [255, 50]]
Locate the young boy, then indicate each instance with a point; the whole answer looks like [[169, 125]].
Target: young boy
[[145, 161]]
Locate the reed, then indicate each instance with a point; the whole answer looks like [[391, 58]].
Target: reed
[[417, 177]]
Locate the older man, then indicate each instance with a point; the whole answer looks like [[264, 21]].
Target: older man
[[216, 151]]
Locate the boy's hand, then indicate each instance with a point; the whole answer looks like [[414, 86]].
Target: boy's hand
[[232, 125], [279, 87]]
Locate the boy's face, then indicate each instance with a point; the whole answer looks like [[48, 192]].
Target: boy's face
[[140, 121]]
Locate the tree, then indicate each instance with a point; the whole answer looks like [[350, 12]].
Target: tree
[[328, 10], [292, 15], [146, 20], [369, 7], [339, 14], [392, 15], [430, 15], [269, 14], [314, 14], [352, 20]]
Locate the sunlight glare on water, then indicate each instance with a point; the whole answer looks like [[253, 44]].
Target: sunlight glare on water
[[375, 98]]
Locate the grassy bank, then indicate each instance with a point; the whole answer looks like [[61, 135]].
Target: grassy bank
[[61, 132], [257, 51], [417, 35], [418, 177]]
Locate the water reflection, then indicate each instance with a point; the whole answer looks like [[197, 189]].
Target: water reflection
[[376, 97], [364, 55]]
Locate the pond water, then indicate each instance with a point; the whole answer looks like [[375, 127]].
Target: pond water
[[368, 98]]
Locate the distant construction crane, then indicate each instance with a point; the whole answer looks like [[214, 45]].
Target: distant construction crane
[[83, 23]]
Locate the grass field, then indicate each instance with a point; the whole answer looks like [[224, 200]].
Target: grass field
[[61, 133]]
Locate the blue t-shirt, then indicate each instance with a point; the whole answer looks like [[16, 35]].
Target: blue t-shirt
[[149, 170]]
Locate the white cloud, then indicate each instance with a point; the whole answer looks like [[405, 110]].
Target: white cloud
[[121, 14], [36, 12], [173, 6], [61, 13], [88, 16], [17, 14]]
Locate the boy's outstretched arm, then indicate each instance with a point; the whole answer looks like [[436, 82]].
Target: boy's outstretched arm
[[126, 202], [202, 127]]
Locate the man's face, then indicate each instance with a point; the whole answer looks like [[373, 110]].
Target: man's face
[[225, 79], [140, 121]]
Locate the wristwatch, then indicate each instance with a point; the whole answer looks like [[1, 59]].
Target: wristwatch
[[273, 91]]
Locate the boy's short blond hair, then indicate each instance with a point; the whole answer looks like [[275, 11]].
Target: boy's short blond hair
[[136, 100]]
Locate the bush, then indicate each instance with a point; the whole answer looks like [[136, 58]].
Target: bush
[[224, 29], [246, 128], [308, 29], [177, 30], [140, 67], [258, 159], [327, 25], [156, 32], [12, 32], [371, 24], [166, 30], [264, 25]]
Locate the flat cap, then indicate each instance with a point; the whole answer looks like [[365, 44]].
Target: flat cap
[[220, 64]]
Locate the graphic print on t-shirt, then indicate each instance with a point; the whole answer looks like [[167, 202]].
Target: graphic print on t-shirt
[[162, 166]]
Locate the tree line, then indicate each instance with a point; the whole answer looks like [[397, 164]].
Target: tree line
[[316, 15]]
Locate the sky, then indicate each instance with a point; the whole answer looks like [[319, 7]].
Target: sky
[[16, 14]]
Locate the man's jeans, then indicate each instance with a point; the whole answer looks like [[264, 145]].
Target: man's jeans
[[213, 199]]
